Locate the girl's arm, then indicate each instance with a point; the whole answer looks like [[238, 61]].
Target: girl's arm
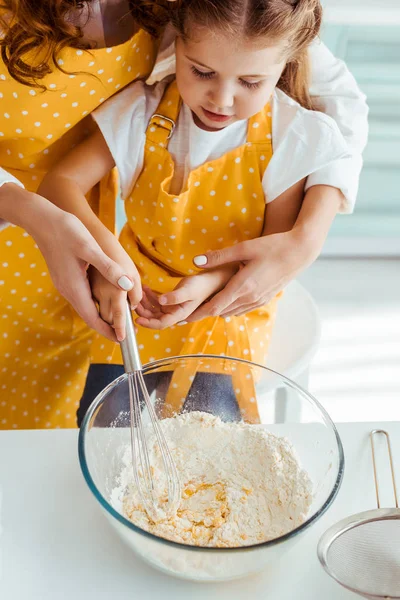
[[281, 214], [66, 185]]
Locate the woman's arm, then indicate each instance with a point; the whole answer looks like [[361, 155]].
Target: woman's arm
[[273, 260], [67, 248]]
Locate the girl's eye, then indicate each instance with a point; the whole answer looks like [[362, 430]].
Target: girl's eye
[[201, 74], [250, 86]]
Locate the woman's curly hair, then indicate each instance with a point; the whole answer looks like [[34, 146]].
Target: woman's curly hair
[[41, 29]]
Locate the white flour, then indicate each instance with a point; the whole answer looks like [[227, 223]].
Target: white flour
[[241, 485]]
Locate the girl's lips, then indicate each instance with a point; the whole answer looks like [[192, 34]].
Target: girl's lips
[[215, 116]]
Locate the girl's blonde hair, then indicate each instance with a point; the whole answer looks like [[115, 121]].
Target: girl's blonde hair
[[296, 22]]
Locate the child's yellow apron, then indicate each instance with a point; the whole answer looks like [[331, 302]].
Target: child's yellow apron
[[222, 204], [44, 346]]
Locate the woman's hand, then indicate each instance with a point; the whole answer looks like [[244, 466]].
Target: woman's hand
[[160, 312], [268, 264], [68, 249]]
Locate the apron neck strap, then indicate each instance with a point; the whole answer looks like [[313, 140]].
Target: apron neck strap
[[260, 126], [163, 121]]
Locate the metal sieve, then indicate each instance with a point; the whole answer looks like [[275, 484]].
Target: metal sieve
[[362, 552]]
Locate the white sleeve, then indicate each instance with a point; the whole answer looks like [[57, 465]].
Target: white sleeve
[[123, 120], [7, 178], [336, 93], [343, 174], [305, 142], [165, 64]]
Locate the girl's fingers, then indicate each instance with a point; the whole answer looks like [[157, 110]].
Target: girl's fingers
[[146, 313], [105, 310], [141, 311], [165, 319], [150, 323], [118, 308], [87, 310], [149, 303], [178, 296], [152, 297]]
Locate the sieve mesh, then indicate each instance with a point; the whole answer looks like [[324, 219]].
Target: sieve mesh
[[366, 558]]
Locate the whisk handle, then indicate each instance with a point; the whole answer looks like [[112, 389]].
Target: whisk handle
[[129, 347]]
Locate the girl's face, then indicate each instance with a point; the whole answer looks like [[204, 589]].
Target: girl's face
[[224, 80]]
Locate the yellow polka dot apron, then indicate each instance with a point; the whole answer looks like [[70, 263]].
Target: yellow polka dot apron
[[44, 345], [223, 203]]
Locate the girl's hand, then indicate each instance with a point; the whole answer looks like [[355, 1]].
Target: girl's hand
[[268, 264], [159, 312], [112, 303]]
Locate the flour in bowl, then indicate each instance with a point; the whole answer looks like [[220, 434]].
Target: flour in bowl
[[241, 485]]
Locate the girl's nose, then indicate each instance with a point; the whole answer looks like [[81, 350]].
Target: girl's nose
[[222, 97]]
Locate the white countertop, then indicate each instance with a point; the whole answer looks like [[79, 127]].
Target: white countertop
[[56, 544], [362, 12]]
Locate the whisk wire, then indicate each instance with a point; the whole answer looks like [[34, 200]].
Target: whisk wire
[[142, 469]]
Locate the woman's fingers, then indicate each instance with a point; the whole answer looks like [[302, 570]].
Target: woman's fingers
[[231, 254], [242, 309], [90, 252], [240, 285], [124, 278], [240, 306]]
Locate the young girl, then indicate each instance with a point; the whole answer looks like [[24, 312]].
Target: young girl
[[216, 156]]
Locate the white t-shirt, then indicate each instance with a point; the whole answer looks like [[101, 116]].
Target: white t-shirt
[[303, 141], [335, 91]]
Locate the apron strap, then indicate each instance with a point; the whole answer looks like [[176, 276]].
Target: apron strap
[[260, 126], [163, 121]]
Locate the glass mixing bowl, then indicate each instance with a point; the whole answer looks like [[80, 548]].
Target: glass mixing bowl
[[285, 409]]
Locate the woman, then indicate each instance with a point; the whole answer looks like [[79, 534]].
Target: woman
[[45, 348]]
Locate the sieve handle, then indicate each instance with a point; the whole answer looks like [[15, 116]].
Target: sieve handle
[[389, 446], [129, 347]]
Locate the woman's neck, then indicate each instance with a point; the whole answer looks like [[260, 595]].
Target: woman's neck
[[105, 23]]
